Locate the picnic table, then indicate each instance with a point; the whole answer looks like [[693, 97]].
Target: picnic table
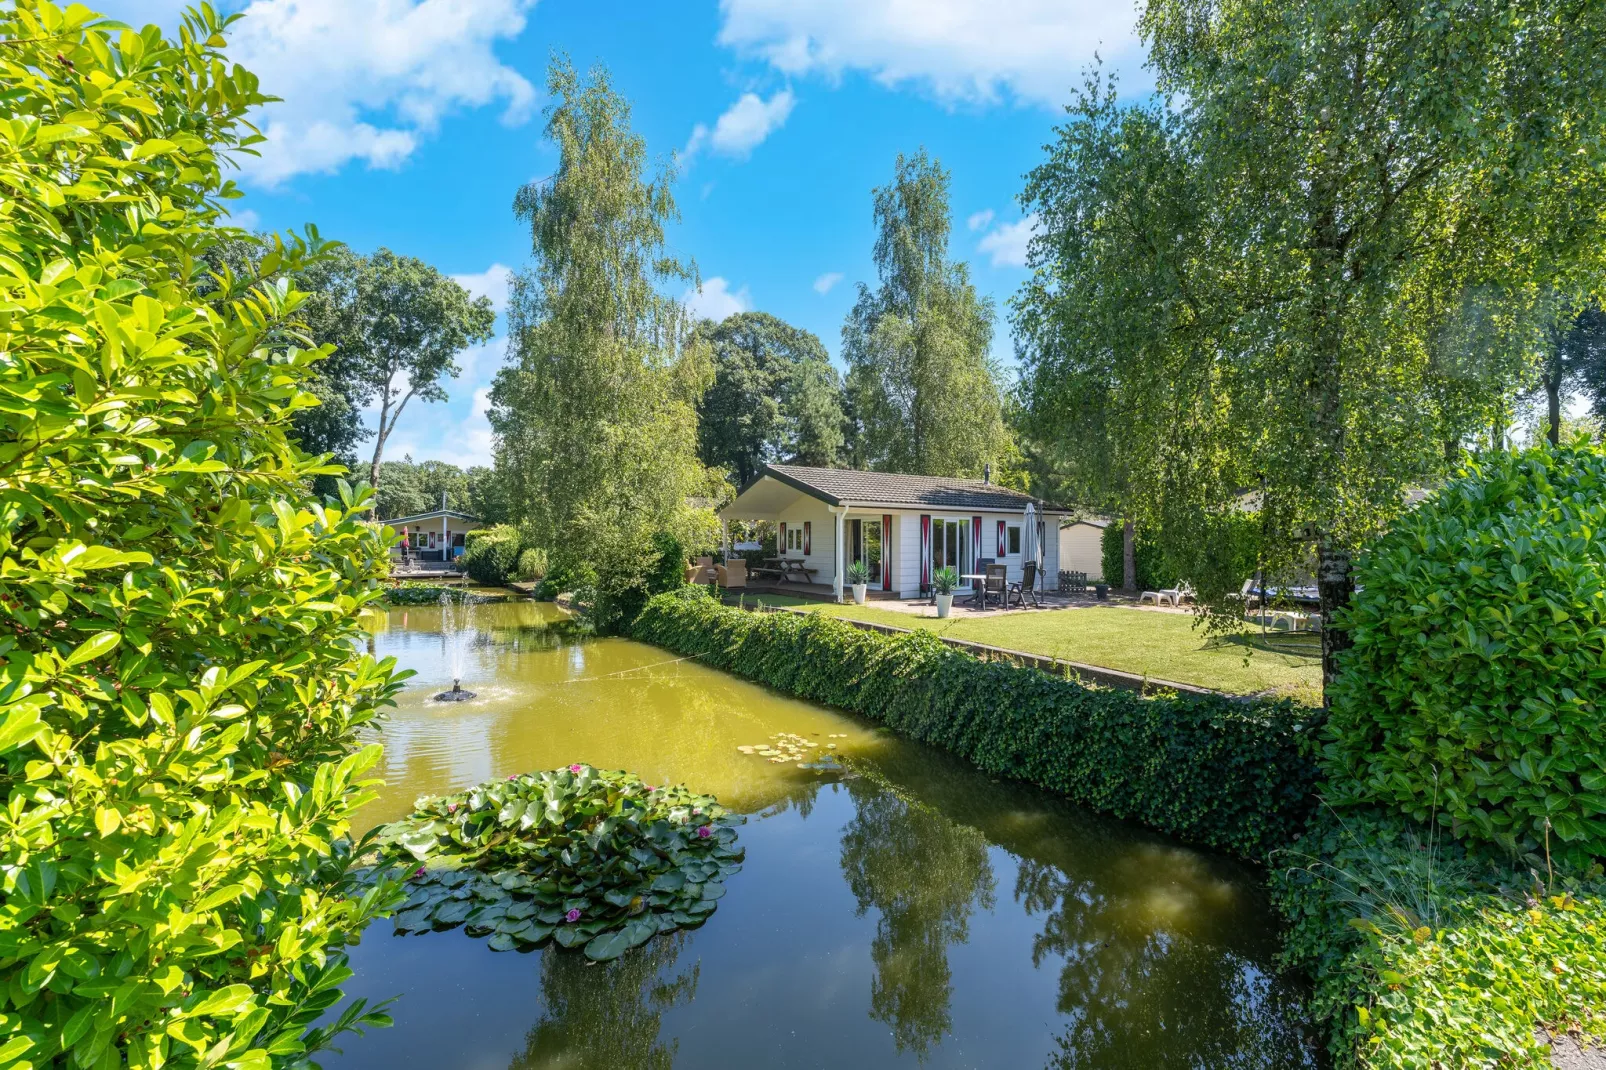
[[787, 568]]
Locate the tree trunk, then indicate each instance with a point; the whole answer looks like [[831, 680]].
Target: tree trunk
[[1553, 397], [1129, 556], [1335, 584]]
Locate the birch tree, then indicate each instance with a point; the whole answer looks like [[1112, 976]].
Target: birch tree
[[1289, 275]]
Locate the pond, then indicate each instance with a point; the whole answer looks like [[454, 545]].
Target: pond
[[903, 910]]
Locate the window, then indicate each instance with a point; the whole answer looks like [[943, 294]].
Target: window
[[794, 537], [1014, 539]]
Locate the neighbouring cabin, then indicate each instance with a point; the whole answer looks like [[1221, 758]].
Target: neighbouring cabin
[[902, 528], [435, 536], [1082, 546]]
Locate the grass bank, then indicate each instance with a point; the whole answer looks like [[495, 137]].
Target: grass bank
[[1163, 646]]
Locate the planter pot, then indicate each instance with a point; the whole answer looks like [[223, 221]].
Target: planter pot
[[945, 602], [1101, 591], [859, 592]]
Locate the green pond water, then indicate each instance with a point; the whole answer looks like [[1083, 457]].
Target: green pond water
[[907, 910]]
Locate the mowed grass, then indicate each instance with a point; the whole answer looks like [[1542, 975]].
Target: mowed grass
[[1163, 646]]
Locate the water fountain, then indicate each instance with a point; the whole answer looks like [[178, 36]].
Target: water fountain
[[457, 632]]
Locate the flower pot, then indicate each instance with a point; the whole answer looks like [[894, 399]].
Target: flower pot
[[945, 602], [859, 591]]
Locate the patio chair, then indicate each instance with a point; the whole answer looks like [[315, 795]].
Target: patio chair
[[1027, 584], [732, 573], [996, 585], [702, 572], [1152, 596], [1248, 595]]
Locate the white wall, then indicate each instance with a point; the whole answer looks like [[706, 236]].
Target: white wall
[[1081, 549], [822, 541]]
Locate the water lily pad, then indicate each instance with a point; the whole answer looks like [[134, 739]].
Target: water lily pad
[[514, 860], [453, 911], [501, 942], [571, 936]]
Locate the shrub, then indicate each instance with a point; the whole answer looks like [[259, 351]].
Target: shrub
[[532, 564], [1419, 955], [491, 558], [1149, 561], [1212, 771], [1475, 683], [180, 688]]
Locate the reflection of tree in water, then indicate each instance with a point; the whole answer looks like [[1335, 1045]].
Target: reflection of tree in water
[[606, 1016], [1140, 996], [924, 874]]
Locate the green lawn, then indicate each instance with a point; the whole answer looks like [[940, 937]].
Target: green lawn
[[1165, 646]]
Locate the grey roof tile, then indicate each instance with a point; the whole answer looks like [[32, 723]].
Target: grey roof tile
[[838, 485]]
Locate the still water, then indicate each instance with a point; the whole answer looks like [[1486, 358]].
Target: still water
[[910, 911]]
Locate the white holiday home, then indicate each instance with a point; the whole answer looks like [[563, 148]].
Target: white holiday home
[[901, 528]]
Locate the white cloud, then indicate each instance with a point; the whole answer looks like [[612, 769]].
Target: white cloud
[[979, 220], [245, 219], [369, 79], [492, 282], [1008, 242], [744, 125], [960, 51], [823, 284], [715, 300]]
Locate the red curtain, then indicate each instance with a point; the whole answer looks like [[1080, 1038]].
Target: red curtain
[[925, 551], [886, 552]]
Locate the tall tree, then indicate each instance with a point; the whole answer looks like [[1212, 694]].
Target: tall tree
[[404, 325], [1575, 355], [775, 396], [595, 414], [1263, 281], [925, 394]]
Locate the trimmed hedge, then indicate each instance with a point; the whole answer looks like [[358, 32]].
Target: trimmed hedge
[[1474, 687], [1230, 775]]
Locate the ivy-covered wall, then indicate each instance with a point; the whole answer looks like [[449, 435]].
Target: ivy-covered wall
[[1230, 775]]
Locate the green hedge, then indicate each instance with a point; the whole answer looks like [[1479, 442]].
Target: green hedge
[[1225, 774], [492, 557], [1474, 688], [1148, 560]]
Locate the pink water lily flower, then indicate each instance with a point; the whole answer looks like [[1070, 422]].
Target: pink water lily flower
[[576, 768], [419, 872], [572, 916], [697, 810], [451, 808], [704, 832]]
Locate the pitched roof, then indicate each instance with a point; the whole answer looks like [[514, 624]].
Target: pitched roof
[[433, 514], [837, 486]]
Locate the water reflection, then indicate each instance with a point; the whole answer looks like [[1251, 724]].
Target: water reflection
[[915, 912], [924, 875], [608, 1015]]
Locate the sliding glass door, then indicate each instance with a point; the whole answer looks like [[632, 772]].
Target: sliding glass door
[[864, 546], [950, 545]]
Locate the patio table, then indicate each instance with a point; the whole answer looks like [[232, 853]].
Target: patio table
[[979, 585]]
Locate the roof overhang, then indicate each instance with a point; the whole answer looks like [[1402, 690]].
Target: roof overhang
[[767, 495]]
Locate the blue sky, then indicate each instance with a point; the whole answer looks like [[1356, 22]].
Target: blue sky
[[410, 124]]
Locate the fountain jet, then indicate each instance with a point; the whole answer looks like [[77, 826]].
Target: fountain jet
[[457, 631]]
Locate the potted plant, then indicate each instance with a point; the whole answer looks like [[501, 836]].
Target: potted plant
[[859, 576], [943, 582]]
